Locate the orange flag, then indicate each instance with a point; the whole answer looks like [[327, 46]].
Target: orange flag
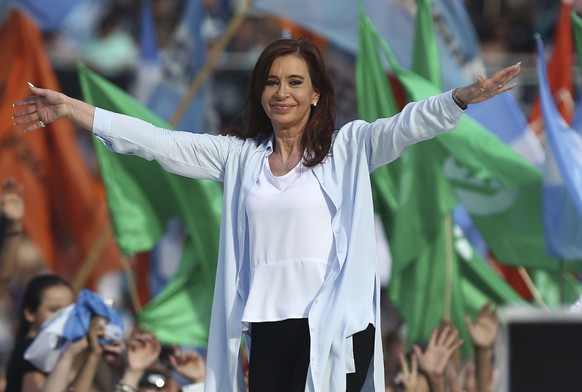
[[295, 31], [66, 212], [559, 71]]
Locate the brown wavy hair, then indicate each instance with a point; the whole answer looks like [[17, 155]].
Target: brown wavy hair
[[317, 135]]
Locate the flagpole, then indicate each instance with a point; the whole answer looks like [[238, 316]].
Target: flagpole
[[561, 264], [208, 67], [449, 268], [91, 259], [128, 272], [532, 288]]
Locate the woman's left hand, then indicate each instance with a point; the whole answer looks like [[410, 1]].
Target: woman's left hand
[[483, 89]]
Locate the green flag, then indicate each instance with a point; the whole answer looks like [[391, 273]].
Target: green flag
[[142, 198], [577, 27], [414, 197], [425, 54], [501, 191]]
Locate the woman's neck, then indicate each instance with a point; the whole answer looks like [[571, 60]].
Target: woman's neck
[[286, 154]]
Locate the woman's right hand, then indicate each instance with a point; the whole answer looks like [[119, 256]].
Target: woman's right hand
[[45, 106]]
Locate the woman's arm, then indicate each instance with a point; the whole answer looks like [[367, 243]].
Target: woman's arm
[[386, 138], [200, 156]]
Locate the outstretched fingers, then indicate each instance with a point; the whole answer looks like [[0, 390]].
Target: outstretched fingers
[[505, 76], [28, 114]]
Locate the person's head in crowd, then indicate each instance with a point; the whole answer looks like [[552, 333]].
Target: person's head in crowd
[[44, 296]]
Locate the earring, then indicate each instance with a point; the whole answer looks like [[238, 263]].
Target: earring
[[314, 104]]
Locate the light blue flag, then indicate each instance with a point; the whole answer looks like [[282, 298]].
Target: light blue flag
[[148, 72], [502, 116], [147, 35], [183, 57], [71, 324], [47, 14], [337, 21], [562, 193], [577, 122], [461, 32]]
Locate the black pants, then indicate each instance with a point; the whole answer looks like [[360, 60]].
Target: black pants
[[279, 356]]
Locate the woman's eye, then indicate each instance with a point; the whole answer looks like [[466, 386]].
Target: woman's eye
[[295, 82], [271, 82]]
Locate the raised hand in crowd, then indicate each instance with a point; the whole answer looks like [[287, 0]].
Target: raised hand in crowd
[[89, 351], [11, 215], [114, 355], [84, 379], [468, 380], [409, 378], [483, 333], [433, 361], [143, 351], [59, 378], [189, 364]]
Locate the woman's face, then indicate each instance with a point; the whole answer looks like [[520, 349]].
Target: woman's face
[[288, 94], [53, 299]]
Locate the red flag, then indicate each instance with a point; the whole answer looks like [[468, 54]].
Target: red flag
[[559, 71], [512, 277], [66, 213]]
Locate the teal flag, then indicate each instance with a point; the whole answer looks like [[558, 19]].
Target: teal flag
[[142, 198]]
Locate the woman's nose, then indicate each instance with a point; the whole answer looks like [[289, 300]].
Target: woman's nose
[[281, 91]]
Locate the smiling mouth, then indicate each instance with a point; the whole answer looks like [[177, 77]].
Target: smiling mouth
[[281, 108]]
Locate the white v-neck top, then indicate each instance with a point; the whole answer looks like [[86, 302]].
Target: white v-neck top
[[291, 242]]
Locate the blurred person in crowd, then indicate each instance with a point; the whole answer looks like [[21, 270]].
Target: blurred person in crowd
[[297, 261], [11, 229], [44, 296], [393, 337]]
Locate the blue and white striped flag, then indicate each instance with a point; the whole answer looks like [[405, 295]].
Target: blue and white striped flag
[[502, 116], [69, 325], [182, 59], [562, 193]]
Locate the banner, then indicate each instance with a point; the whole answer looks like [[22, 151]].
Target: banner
[[66, 211]]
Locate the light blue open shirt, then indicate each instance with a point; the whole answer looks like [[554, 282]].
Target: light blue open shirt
[[351, 288]]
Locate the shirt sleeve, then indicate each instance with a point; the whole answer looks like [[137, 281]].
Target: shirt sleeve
[[194, 155], [385, 139]]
